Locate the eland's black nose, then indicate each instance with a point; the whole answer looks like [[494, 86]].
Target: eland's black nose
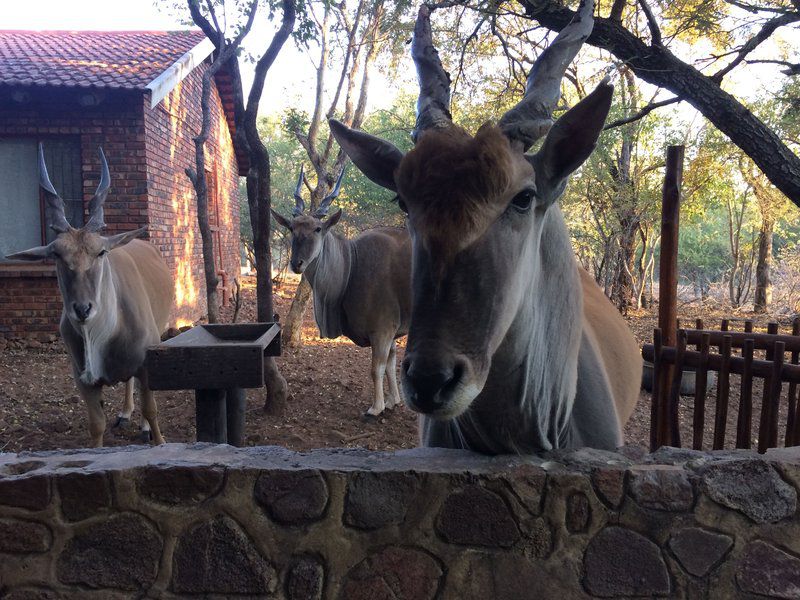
[[427, 383], [82, 310], [297, 265]]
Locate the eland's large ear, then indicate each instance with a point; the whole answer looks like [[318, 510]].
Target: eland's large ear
[[333, 219], [281, 219], [571, 140], [38, 253], [376, 158], [120, 239]]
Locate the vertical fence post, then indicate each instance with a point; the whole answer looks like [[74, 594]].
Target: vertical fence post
[[723, 393], [668, 284], [700, 386], [745, 419], [792, 413]]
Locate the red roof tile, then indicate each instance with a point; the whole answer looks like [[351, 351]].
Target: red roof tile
[[113, 59]]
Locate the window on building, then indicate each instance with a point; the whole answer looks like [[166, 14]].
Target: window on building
[[23, 225]]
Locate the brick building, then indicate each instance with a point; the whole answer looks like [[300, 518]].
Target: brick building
[[136, 94]]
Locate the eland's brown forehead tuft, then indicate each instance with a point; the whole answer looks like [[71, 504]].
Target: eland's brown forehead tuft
[[304, 225], [79, 240], [456, 185]]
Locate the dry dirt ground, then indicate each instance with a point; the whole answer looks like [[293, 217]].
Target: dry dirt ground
[[329, 385]]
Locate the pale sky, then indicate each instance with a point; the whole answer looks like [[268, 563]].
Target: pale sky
[[291, 79]]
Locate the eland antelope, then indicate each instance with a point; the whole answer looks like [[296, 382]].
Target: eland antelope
[[361, 287], [117, 296], [512, 347]]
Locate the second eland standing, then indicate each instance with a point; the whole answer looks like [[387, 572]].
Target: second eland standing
[[361, 287]]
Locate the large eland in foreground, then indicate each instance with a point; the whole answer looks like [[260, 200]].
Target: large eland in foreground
[[117, 295], [512, 347], [361, 287]]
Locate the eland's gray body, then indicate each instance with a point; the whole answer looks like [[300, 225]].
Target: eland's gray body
[[361, 287], [512, 347], [117, 295]]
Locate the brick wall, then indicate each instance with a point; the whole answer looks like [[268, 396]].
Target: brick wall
[[30, 303], [116, 125], [147, 151], [170, 129]]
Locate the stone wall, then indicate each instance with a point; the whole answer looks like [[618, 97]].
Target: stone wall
[[183, 520]]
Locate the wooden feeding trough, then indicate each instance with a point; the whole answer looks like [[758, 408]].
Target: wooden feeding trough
[[217, 362]]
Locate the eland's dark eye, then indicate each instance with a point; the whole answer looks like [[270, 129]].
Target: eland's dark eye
[[522, 201], [103, 252], [318, 229]]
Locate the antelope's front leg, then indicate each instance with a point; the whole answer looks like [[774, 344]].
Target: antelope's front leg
[[124, 415], [391, 376], [93, 397], [150, 411], [378, 370]]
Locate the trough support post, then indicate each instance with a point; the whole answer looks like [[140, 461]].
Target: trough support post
[[211, 416], [235, 406], [668, 284]]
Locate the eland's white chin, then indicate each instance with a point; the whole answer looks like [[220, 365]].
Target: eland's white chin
[[457, 402]]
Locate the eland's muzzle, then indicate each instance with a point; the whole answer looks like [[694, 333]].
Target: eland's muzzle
[[82, 311], [298, 266], [429, 384]]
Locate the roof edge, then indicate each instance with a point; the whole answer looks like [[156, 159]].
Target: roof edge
[[162, 85]]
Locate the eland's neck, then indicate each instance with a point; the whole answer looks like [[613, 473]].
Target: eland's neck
[[531, 387], [329, 276], [331, 268], [100, 330]]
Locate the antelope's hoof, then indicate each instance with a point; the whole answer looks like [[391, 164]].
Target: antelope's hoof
[[121, 422], [368, 417], [145, 437]]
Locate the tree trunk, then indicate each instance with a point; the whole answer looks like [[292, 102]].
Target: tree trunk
[[200, 183], [293, 331], [258, 176], [763, 282], [258, 198], [660, 67], [327, 173], [624, 287]]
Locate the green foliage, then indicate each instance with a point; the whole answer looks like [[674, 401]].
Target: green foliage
[[489, 70], [363, 203], [703, 251]]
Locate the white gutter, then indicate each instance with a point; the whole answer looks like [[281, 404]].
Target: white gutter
[[162, 85]]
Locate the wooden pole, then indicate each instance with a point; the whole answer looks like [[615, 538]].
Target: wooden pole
[[211, 416], [668, 281], [235, 407]]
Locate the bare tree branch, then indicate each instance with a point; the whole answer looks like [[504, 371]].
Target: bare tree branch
[[660, 67], [643, 112], [792, 68], [200, 20], [198, 175], [754, 42], [616, 10], [220, 30], [472, 36], [652, 24], [758, 8]]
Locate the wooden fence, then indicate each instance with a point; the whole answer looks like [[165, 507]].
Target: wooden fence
[[760, 356]]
